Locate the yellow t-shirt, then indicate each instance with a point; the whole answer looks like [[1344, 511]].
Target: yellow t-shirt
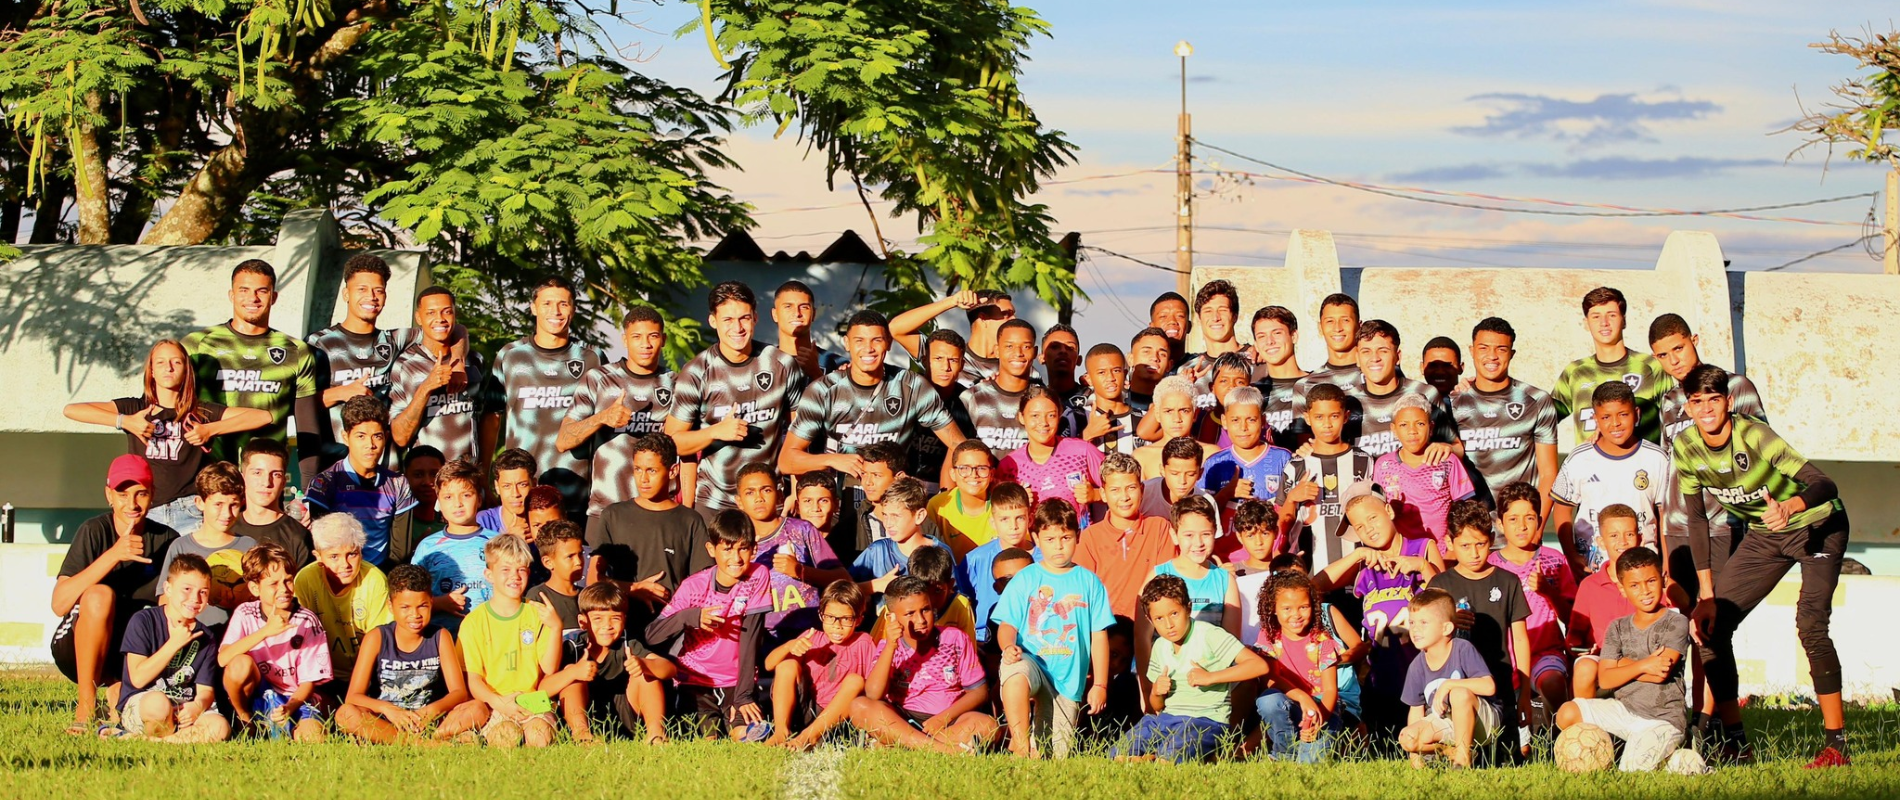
[[346, 617], [959, 615], [505, 651], [961, 530]]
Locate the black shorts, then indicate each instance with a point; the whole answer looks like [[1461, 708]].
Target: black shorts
[[66, 657], [915, 719], [1681, 562]]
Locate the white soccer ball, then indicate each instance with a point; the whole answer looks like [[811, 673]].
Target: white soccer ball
[[1583, 748], [1687, 762]]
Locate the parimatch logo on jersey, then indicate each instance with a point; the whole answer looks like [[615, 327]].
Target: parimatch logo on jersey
[[748, 412], [1483, 440], [247, 380], [861, 434], [539, 397], [442, 406]]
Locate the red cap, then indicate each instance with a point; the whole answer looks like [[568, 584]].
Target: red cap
[[129, 468]]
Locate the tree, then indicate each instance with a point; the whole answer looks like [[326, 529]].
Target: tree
[[919, 100], [1865, 108]]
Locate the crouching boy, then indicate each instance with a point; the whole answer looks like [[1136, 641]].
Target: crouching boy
[[275, 652], [1642, 662], [1452, 695], [924, 691], [170, 671], [409, 673], [610, 678]]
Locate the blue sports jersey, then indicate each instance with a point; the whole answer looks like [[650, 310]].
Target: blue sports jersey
[[455, 561]]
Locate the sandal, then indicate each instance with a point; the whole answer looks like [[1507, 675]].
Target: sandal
[[80, 728], [109, 731]]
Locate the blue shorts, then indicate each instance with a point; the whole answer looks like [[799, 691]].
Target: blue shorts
[[1171, 737], [269, 699]]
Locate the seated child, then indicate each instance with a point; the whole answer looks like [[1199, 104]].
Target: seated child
[[1352, 647], [1420, 482], [1212, 596], [1490, 607], [454, 556], [1453, 699], [1124, 689], [275, 653], [963, 513], [609, 679], [1600, 599], [559, 545], [1052, 628], [1300, 707], [507, 648], [925, 690], [933, 566], [1549, 586], [1009, 517], [1192, 668], [1388, 569], [409, 674], [825, 669], [1642, 662], [901, 510], [220, 498], [349, 595], [817, 494], [170, 671], [721, 611], [788, 545]]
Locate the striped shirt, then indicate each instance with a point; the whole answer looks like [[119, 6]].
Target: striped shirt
[[533, 387], [761, 390], [449, 423], [374, 501], [611, 449], [1325, 518]]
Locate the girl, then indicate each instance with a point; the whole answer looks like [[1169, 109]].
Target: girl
[[1052, 465], [1300, 705], [172, 428], [1213, 599]]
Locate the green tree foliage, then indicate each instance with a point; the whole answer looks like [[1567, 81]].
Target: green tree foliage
[[919, 100], [1865, 107]]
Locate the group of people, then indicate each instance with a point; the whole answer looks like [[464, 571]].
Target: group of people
[[1011, 542]]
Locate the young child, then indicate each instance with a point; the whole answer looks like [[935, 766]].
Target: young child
[[883, 465], [925, 690], [937, 569], [1548, 586], [825, 668], [170, 669], [1301, 709], [1491, 610], [1105, 418], [902, 511], [1193, 667], [454, 556], [508, 647], [1009, 519], [1212, 596], [421, 466], [1352, 647], [220, 493], [514, 479], [1251, 468], [1614, 467], [1600, 599], [1052, 626], [1180, 477], [788, 545], [1420, 488], [349, 597], [721, 610], [817, 500], [1642, 662], [409, 674], [1313, 507], [1173, 412], [560, 547], [264, 518], [1452, 696], [275, 653], [545, 505], [1257, 533], [610, 679], [1049, 464], [360, 485], [1385, 570], [963, 513]]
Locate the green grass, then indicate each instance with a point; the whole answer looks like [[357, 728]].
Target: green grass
[[38, 760]]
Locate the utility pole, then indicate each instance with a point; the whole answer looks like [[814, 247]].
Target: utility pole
[[1890, 255], [1184, 186]]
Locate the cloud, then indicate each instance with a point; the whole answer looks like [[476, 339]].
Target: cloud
[[1620, 168], [1454, 173], [1608, 119]]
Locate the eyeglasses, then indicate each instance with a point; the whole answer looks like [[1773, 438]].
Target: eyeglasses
[[834, 620], [968, 469]]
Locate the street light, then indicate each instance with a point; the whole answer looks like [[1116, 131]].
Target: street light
[[1183, 185]]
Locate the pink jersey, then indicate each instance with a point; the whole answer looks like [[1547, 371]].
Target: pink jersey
[[1554, 583], [1421, 496], [828, 664], [711, 657], [1073, 460], [928, 681], [299, 655], [1305, 657]]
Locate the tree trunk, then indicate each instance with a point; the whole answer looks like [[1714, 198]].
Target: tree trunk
[[89, 183], [50, 211], [208, 200], [9, 221]]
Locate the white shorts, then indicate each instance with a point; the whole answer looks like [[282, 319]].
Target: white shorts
[[1647, 743], [1055, 716], [132, 720], [1483, 730]]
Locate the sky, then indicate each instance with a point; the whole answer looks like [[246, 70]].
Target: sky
[[1665, 104]]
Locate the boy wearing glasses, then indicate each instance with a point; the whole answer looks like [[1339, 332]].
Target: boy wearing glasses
[[817, 675], [963, 513]]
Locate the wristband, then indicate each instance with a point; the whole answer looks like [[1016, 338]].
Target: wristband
[[118, 422]]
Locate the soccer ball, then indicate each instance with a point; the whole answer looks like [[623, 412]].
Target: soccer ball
[[1583, 748], [1687, 762]]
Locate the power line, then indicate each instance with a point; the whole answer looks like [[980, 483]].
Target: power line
[[1818, 254], [1148, 264]]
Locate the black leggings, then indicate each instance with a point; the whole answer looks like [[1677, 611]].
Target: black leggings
[[1758, 563]]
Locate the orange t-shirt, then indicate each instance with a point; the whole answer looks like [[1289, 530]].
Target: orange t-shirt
[[1124, 561]]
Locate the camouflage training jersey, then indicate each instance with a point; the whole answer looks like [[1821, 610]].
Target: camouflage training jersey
[[928, 452], [1755, 464], [1369, 416], [760, 390], [611, 449], [450, 422], [1644, 375], [344, 358], [977, 369], [1344, 376], [996, 415], [270, 372], [1745, 401], [837, 415], [1285, 401], [1502, 430], [532, 387]]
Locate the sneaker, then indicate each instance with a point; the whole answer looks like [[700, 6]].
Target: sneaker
[[1737, 754], [1828, 757]]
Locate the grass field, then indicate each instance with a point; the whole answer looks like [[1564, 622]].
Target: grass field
[[38, 760]]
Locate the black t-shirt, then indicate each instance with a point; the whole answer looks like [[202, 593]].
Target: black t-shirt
[[286, 533], [635, 543], [175, 462], [566, 605], [610, 680], [130, 579], [1498, 601]]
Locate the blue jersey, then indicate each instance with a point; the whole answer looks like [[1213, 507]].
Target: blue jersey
[[1268, 472], [977, 581], [883, 556], [455, 561]]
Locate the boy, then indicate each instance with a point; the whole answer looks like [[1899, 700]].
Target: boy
[[170, 665], [1420, 489], [514, 479], [1604, 311], [1256, 527], [790, 546], [508, 647], [902, 512], [826, 667], [1449, 688], [1104, 416], [1009, 519], [610, 678], [1549, 589], [1388, 569], [994, 404], [1277, 373], [349, 597], [927, 684], [560, 551], [1491, 610], [409, 674], [275, 653], [937, 569], [1315, 480], [545, 505], [1125, 546], [220, 492], [1180, 477], [360, 485], [858, 523], [1173, 412], [1252, 468], [650, 543], [454, 556], [1150, 356], [1192, 668], [263, 517], [421, 466], [1052, 626], [1642, 662], [721, 610], [963, 513], [942, 365], [1614, 467], [1600, 599]]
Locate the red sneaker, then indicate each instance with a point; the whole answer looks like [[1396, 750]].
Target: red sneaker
[[1828, 757]]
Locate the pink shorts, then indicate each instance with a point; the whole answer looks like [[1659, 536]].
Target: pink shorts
[[1546, 662]]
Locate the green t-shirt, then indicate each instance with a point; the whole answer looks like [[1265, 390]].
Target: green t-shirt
[[1755, 464], [1209, 647], [1645, 376], [266, 372]]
